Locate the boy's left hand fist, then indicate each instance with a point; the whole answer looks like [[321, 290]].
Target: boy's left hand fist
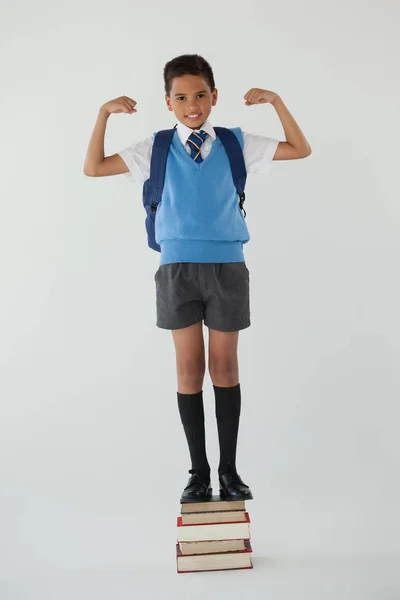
[[259, 96]]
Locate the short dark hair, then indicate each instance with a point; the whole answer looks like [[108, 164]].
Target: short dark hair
[[187, 64]]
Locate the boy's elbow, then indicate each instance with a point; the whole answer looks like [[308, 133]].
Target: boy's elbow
[[89, 172]]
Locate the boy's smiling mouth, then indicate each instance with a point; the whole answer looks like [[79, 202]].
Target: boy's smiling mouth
[[193, 116]]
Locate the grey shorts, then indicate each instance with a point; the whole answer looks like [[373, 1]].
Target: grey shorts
[[217, 293]]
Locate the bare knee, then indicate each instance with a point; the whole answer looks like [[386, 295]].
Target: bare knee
[[190, 375], [224, 372]]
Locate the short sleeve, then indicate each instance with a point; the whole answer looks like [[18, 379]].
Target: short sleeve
[[258, 152], [137, 158]]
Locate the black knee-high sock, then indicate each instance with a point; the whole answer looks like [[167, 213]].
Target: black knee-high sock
[[227, 411], [191, 410]]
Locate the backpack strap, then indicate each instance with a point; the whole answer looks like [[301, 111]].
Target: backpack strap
[[158, 163], [235, 154]]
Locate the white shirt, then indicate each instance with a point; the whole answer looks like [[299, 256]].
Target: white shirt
[[258, 151]]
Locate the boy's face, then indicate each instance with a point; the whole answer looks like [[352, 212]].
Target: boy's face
[[191, 100]]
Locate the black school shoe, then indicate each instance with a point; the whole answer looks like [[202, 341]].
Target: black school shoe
[[232, 487], [198, 488]]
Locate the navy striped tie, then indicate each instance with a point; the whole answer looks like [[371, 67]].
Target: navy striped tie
[[195, 141]]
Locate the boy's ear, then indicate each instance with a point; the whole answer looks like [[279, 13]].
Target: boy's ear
[[214, 97], [168, 102]]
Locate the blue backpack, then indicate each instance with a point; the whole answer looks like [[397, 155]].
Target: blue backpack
[[153, 187]]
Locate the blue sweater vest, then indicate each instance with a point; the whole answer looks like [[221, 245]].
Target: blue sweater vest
[[198, 218]]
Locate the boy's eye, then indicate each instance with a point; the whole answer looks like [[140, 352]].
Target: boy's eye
[[184, 97]]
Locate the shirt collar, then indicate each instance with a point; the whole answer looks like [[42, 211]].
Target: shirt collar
[[184, 132]]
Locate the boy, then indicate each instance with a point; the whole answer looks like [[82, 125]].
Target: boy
[[201, 232]]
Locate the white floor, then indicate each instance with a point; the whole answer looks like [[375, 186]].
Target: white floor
[[334, 578]]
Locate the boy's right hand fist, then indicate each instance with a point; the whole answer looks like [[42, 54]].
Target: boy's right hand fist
[[123, 104]]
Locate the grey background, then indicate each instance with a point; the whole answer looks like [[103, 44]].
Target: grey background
[[89, 428]]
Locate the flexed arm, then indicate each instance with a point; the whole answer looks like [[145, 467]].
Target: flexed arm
[[296, 145], [96, 165]]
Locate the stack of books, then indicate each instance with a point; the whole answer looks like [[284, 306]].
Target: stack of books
[[213, 536]]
